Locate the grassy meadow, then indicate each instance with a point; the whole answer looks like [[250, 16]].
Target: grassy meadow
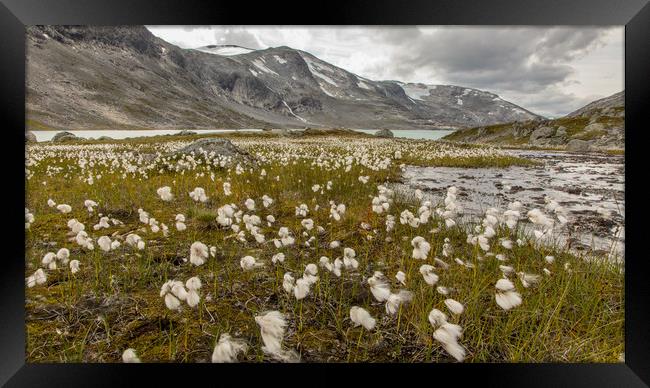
[[572, 309]]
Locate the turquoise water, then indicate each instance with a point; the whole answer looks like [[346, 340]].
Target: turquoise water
[[427, 134]]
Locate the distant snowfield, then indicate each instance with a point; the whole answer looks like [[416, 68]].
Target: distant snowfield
[[416, 92], [224, 50]]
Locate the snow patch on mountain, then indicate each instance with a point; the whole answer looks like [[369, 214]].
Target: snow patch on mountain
[[225, 50]]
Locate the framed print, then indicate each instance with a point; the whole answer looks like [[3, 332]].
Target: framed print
[[376, 189]]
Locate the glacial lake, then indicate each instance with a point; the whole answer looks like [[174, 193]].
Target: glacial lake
[[426, 134]]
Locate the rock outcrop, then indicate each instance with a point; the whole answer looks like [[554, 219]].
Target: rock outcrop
[[64, 136], [384, 133]]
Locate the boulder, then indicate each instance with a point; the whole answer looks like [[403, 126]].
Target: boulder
[[384, 133], [185, 132], [594, 127], [578, 145], [65, 136], [213, 145], [561, 131], [105, 138], [30, 137], [519, 131], [541, 132]]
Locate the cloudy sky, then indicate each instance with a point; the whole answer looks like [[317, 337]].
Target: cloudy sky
[[550, 71]]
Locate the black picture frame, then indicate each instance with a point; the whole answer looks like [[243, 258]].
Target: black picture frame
[[634, 14]]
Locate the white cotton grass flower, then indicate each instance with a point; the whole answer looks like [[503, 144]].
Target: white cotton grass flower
[[285, 237], [528, 279], [437, 317], [227, 189], [227, 349], [39, 277], [546, 271], [454, 306], [549, 259], [307, 223], [335, 244], [102, 224], [349, 258], [51, 203], [266, 200], [250, 204], [338, 264], [442, 290], [302, 210], [49, 260], [89, 204], [135, 241], [507, 244], [301, 289], [249, 263], [165, 193], [401, 277], [198, 195], [193, 285], [130, 356], [64, 208], [29, 219], [199, 253], [278, 258], [75, 226], [379, 286], [395, 300], [104, 243], [272, 325], [288, 282], [448, 334], [421, 248], [174, 293], [506, 269], [74, 266], [361, 317], [63, 254], [427, 273], [507, 296]]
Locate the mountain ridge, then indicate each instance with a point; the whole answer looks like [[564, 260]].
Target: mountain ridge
[[125, 77]]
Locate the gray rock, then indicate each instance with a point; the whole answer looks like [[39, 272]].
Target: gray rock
[[520, 132], [185, 132], [30, 137], [594, 127], [65, 136], [577, 145], [105, 138], [214, 145], [561, 131], [384, 133], [541, 132]]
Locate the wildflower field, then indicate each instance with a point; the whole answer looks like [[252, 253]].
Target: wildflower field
[[299, 250]]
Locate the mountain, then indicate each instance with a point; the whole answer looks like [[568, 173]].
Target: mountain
[[616, 100], [597, 125], [81, 77]]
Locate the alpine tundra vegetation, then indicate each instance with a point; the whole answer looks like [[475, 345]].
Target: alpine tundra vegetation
[[298, 249]]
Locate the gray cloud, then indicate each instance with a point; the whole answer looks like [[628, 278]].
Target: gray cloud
[[546, 70]]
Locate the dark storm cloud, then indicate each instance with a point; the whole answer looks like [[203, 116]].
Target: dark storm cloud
[[522, 59]]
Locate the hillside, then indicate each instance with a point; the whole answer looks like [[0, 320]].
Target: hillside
[[125, 77], [597, 125]]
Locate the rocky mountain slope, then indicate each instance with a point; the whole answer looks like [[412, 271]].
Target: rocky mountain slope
[[597, 125], [125, 77]]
